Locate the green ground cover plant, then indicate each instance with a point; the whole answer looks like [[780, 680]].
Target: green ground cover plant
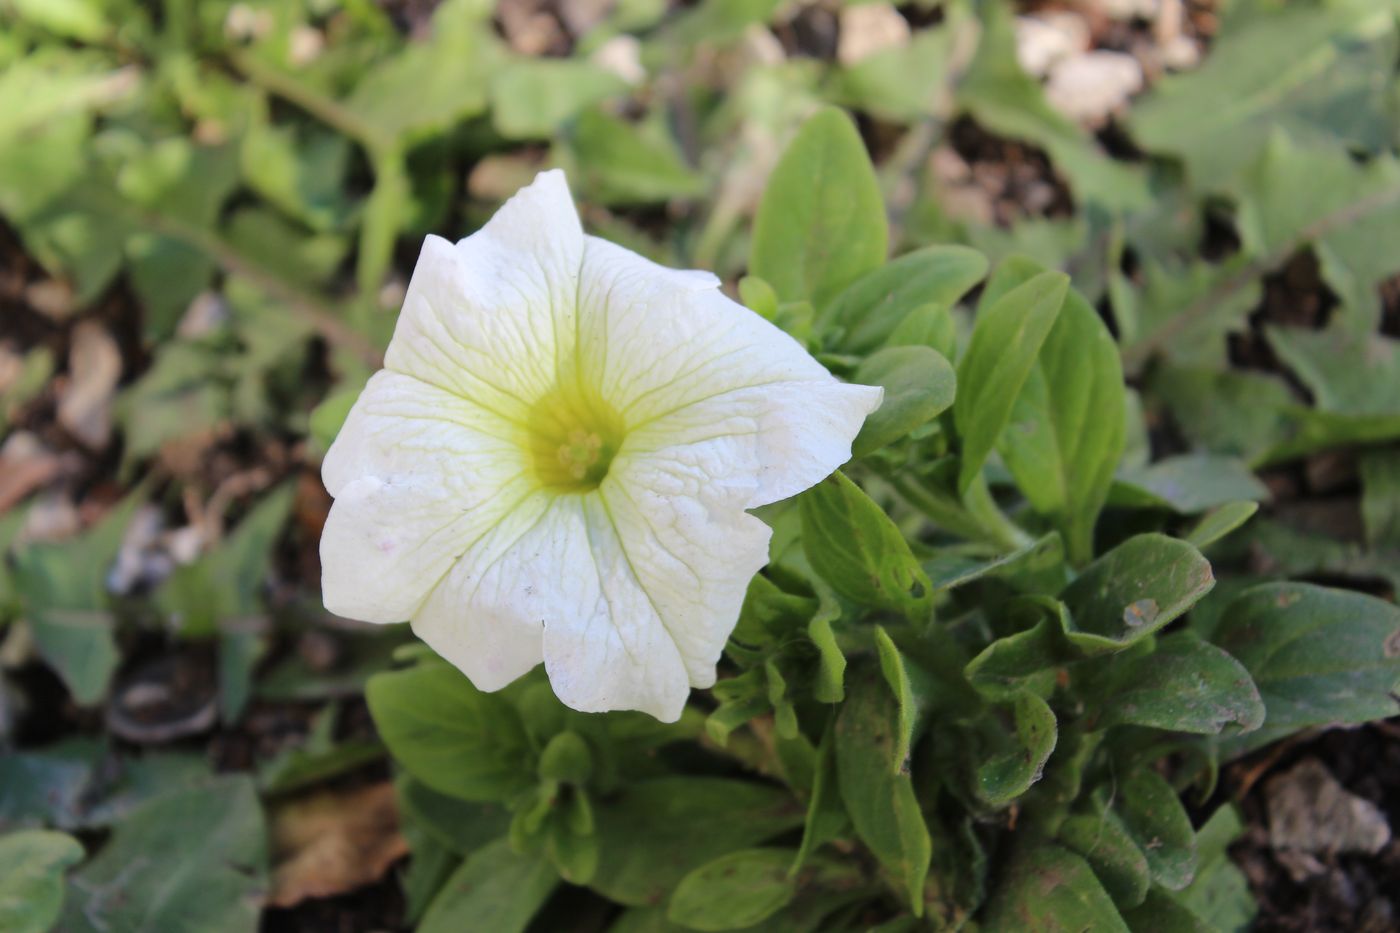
[[1083, 557]]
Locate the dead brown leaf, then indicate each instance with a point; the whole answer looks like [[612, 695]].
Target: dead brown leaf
[[85, 400], [331, 842]]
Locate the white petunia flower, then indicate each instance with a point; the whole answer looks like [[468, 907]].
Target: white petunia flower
[[556, 461]]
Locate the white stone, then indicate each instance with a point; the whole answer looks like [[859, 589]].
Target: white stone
[[1090, 87]]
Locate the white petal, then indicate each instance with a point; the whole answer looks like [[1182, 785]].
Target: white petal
[[418, 474], [388, 542], [487, 617], [491, 318], [612, 651], [691, 546], [400, 426], [677, 359]]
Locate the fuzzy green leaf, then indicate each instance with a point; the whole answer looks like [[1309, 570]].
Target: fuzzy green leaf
[[1066, 433], [1050, 890], [1116, 859], [1153, 815], [881, 803], [1006, 340], [1134, 590], [1319, 656], [821, 224], [919, 386], [451, 736], [656, 832], [871, 309], [855, 547], [149, 876], [32, 863], [495, 889], [1185, 685], [734, 891]]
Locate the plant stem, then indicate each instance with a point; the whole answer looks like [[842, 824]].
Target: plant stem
[[976, 517], [319, 105]]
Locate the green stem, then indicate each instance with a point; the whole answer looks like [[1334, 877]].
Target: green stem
[[379, 225], [976, 517], [319, 105], [983, 508]]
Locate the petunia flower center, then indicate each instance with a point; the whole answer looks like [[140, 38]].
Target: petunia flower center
[[573, 438]]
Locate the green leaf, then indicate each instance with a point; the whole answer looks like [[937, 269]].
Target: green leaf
[[495, 889], [852, 544], [1006, 340], [319, 758], [1220, 896], [1185, 685], [1066, 432], [48, 786], [1134, 590], [821, 223], [226, 584], [951, 569], [1159, 913], [84, 20], [619, 162], [830, 686], [927, 326], [734, 891], [826, 815], [1332, 191], [1317, 71], [451, 736], [301, 173], [1013, 758], [919, 386], [532, 97], [1188, 484], [32, 863], [868, 311], [1380, 497], [43, 87], [1050, 890], [64, 591], [655, 832], [1154, 817], [149, 876], [1237, 413], [1219, 522], [167, 275], [913, 702], [268, 242], [1184, 312], [1347, 373], [1320, 656], [178, 179], [428, 87], [1116, 859], [460, 826], [882, 804]]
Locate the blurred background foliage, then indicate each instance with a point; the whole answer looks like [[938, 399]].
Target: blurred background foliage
[[208, 212]]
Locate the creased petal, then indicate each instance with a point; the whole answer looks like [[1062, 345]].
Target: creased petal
[[802, 431], [691, 546], [491, 318], [712, 363], [418, 474], [613, 651], [487, 616], [400, 426]]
